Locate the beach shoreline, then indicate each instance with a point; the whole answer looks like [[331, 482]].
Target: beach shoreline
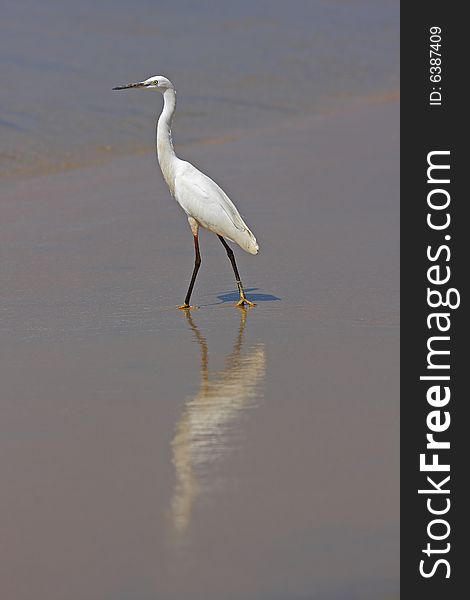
[[82, 158]]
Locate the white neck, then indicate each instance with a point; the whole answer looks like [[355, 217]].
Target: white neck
[[165, 152]]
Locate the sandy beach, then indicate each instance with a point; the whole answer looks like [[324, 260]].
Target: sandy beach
[[227, 455]]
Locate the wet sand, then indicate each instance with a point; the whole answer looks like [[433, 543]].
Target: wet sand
[[228, 455]]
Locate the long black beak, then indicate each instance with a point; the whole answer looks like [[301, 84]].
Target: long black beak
[[129, 85]]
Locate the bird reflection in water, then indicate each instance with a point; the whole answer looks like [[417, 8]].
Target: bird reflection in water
[[206, 431]]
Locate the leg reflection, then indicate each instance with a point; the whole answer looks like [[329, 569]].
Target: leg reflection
[[209, 424]]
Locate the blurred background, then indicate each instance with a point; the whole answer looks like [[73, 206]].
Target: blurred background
[[236, 66]]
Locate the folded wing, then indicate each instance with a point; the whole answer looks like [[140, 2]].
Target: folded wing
[[202, 199]]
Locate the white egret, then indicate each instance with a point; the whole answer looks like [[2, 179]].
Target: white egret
[[203, 201]]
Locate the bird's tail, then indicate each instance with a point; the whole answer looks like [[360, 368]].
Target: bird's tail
[[248, 242]]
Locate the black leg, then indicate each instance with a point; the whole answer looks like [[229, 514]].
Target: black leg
[[243, 300], [197, 264]]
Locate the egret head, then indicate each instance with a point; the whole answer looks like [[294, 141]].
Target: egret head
[[157, 82]]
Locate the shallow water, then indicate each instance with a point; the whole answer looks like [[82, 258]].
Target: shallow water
[[236, 65], [223, 455]]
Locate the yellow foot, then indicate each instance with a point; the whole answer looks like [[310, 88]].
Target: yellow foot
[[186, 307], [244, 301]]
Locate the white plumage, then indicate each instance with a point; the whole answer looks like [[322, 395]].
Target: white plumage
[[203, 201]]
